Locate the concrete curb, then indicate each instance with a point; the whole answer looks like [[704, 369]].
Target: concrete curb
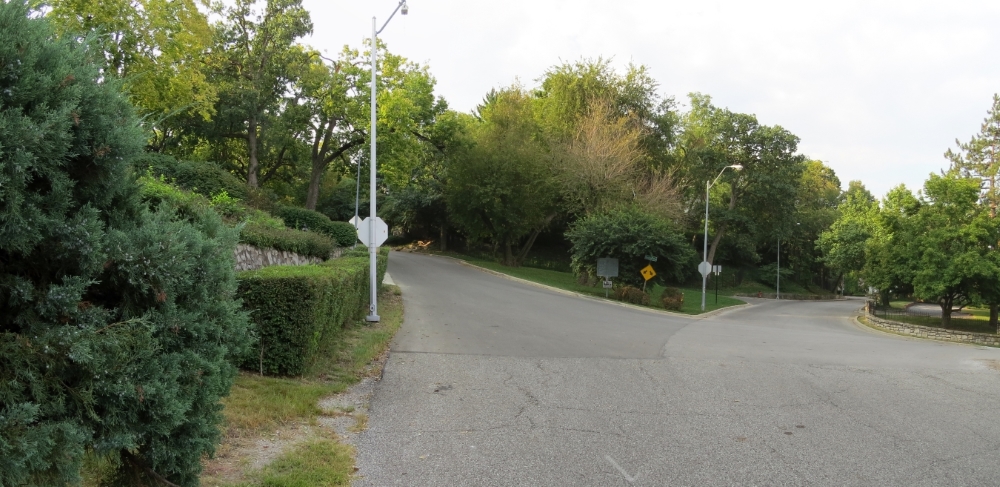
[[599, 300]]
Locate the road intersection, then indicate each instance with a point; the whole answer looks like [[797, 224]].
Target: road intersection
[[496, 382]]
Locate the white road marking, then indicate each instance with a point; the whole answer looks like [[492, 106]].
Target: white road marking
[[619, 468]]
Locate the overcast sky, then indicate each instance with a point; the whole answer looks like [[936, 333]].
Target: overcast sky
[[877, 90]]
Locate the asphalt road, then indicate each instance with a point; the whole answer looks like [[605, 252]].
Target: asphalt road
[[492, 382]]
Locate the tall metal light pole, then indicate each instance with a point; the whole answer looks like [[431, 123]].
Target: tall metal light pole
[[372, 243], [704, 260]]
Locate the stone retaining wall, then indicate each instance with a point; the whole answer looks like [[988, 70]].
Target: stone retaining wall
[[933, 333], [250, 258]]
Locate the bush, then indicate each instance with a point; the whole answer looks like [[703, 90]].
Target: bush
[[299, 310], [259, 228], [118, 327], [204, 178], [342, 233], [632, 295], [304, 243], [630, 234], [672, 299]]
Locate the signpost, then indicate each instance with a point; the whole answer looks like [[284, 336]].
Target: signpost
[[716, 269], [381, 231], [607, 268], [647, 274]]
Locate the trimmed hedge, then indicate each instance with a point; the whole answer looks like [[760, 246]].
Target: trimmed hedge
[[260, 229], [298, 311], [343, 233], [290, 240]]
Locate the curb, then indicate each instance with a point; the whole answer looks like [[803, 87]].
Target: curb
[[599, 300], [876, 330]]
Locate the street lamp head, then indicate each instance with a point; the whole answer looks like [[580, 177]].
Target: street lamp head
[[405, 9], [738, 167]]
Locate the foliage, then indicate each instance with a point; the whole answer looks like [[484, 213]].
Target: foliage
[[753, 203], [629, 234], [204, 178], [980, 157], [257, 227], [631, 294], [117, 324], [299, 310], [950, 243], [254, 60], [672, 299], [266, 236], [157, 47], [342, 233], [502, 189]]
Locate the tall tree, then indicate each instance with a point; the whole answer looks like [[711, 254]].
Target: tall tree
[[254, 60], [336, 98], [755, 200], [950, 244], [502, 190], [980, 158], [157, 47]]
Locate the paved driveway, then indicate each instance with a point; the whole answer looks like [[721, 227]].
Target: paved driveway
[[495, 382]]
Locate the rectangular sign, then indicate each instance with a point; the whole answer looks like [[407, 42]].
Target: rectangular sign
[[607, 284], [607, 267]]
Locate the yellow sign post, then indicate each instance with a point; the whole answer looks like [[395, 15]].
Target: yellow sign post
[[647, 273]]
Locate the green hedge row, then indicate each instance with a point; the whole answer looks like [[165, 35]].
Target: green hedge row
[[304, 243], [299, 311], [343, 233], [259, 229]]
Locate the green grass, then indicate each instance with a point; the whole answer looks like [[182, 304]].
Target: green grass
[[979, 322], [322, 462], [566, 280]]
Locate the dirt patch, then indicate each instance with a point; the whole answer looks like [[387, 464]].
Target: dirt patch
[[993, 364]]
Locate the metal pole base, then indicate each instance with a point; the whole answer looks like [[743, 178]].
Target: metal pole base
[[372, 318]]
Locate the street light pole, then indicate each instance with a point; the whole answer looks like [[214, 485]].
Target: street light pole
[[708, 186], [372, 245]]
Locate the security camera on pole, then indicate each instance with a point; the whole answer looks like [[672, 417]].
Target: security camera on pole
[[373, 227], [705, 268]]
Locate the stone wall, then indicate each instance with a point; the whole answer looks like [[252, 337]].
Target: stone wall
[[250, 258], [932, 333]]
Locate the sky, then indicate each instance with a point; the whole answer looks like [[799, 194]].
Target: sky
[[877, 90]]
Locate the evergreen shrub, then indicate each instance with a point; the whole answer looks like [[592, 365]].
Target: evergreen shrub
[[299, 311], [343, 233], [630, 234], [118, 327]]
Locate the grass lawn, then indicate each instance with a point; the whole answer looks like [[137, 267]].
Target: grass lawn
[[566, 280], [979, 322]]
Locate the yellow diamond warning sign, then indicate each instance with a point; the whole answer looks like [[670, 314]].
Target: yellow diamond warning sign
[[648, 272]]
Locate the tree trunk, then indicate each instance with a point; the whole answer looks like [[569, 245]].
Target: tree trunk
[[993, 317], [254, 166], [508, 255], [444, 237], [312, 194], [721, 230], [945, 312]]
